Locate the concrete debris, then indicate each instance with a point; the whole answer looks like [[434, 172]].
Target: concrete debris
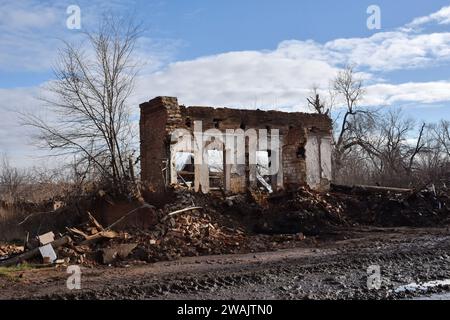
[[48, 254], [46, 238]]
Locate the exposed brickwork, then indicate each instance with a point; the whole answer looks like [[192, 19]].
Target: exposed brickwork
[[162, 115], [153, 134], [293, 163], [226, 118]]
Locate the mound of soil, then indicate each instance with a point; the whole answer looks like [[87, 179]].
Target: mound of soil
[[194, 224]]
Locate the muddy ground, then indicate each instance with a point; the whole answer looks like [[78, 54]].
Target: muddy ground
[[328, 269]]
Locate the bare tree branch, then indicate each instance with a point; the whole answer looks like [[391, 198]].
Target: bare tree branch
[[88, 100]]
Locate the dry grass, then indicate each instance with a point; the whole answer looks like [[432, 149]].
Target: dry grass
[[11, 272], [9, 229]]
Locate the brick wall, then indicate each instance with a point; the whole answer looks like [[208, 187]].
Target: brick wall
[[293, 159], [160, 116], [153, 140]]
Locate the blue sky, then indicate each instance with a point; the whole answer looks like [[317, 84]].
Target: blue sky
[[248, 54]]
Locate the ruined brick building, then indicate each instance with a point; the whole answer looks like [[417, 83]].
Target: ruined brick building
[[302, 154]]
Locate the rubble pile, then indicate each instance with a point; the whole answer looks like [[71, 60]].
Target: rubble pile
[[190, 225], [422, 208], [304, 211], [193, 224], [190, 234], [7, 250], [313, 213]]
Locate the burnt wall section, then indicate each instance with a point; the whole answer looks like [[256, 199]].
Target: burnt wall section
[[304, 155]]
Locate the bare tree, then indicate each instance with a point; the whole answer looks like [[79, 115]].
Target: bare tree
[[442, 134], [88, 99], [316, 104], [351, 126], [371, 146], [11, 180], [432, 163], [394, 151], [349, 88], [393, 148]]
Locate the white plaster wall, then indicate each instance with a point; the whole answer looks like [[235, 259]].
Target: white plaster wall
[[312, 162], [325, 157]]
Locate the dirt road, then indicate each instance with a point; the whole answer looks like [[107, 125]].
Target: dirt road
[[329, 270]]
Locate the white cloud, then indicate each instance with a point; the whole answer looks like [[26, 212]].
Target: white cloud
[[25, 15], [419, 92], [441, 16], [32, 30], [283, 77], [28, 34], [387, 51], [15, 139], [243, 79], [268, 80], [29, 31]]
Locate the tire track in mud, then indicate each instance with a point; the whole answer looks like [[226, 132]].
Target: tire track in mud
[[335, 270], [338, 276]]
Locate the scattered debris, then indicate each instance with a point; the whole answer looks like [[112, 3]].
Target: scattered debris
[[34, 252], [183, 210], [47, 253], [118, 251], [46, 238], [7, 250], [195, 224], [364, 188]]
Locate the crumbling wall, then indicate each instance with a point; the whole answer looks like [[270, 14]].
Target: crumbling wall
[[304, 154], [159, 118], [294, 158]]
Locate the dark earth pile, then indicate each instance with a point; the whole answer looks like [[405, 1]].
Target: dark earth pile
[[424, 208], [313, 213], [194, 224], [303, 211]]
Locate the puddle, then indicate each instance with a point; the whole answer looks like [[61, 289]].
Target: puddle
[[437, 296], [422, 286]]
